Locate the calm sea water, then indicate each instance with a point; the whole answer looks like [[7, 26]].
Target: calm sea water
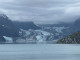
[[39, 52]]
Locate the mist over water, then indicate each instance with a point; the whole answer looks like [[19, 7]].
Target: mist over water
[[39, 52]]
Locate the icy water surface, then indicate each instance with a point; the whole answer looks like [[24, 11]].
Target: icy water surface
[[39, 52]]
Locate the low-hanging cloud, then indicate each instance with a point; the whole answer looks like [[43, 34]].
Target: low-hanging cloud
[[41, 11]]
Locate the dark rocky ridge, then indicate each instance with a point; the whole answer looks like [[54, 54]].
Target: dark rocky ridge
[[71, 39]]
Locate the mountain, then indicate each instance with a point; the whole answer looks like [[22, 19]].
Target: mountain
[[7, 28], [26, 25], [71, 39]]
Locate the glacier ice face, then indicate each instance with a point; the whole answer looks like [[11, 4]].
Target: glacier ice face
[[8, 39]]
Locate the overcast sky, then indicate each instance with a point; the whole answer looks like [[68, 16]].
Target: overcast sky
[[41, 11]]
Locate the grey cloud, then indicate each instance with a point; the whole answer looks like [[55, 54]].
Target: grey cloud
[[41, 11]]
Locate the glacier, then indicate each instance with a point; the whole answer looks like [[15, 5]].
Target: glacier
[[40, 36], [8, 39]]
